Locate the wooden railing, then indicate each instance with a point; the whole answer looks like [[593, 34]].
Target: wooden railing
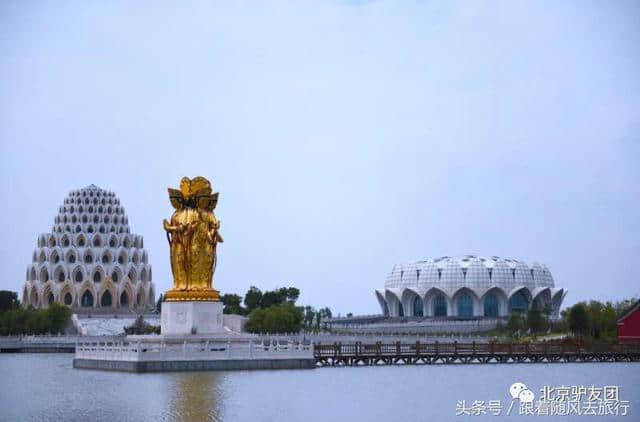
[[467, 352]]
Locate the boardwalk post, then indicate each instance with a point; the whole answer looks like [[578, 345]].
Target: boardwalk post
[[396, 352]]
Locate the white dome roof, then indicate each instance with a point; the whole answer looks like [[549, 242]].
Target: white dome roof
[[475, 272]]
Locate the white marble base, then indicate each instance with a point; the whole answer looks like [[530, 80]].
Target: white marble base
[[181, 318]]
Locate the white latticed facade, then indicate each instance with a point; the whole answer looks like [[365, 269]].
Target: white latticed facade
[[90, 259], [468, 286]]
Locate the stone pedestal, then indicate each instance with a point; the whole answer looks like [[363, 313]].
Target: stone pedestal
[[191, 317]]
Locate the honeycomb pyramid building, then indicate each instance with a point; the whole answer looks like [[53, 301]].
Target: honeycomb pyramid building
[[90, 260]]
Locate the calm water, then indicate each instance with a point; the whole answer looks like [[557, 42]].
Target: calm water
[[46, 387]]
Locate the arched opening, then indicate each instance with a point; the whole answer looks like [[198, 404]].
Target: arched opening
[[519, 302], [97, 277], [50, 298], [124, 299], [543, 302], [138, 299], [440, 305], [105, 301], [418, 309], [68, 299], [78, 276], [87, 299], [465, 305], [115, 277], [400, 309], [491, 307], [60, 276]]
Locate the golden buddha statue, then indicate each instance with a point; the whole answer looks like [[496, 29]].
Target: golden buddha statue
[[193, 234]]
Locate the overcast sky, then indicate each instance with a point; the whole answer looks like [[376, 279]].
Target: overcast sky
[[344, 136]]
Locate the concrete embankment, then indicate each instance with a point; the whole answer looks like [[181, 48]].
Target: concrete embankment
[[193, 365], [45, 343], [27, 347]]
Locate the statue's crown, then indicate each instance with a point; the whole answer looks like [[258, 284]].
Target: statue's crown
[[193, 193]]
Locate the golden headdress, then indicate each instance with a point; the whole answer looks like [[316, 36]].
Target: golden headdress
[[194, 193]]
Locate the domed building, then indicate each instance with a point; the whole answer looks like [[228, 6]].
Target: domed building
[[90, 260], [468, 287]]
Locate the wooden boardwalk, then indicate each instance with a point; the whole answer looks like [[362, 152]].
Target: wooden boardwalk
[[362, 354]]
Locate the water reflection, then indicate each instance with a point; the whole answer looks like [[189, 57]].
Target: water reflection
[[196, 396], [41, 387]]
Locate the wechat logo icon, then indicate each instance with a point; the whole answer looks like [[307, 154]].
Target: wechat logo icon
[[520, 391]]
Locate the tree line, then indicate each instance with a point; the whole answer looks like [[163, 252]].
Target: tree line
[[274, 311], [17, 320], [596, 320], [592, 320]]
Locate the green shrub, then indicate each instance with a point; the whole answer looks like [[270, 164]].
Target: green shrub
[[283, 318], [52, 320]]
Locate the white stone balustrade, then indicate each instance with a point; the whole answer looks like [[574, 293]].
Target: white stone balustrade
[[192, 350]]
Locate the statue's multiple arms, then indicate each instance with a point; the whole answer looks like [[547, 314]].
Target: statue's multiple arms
[[168, 227], [214, 234]]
